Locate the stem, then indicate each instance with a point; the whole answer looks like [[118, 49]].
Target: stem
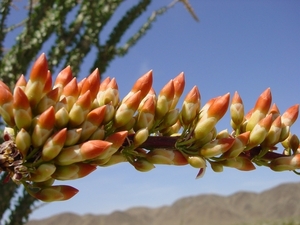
[[169, 143]]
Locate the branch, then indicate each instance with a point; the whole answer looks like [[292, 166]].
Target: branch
[[76, 126]]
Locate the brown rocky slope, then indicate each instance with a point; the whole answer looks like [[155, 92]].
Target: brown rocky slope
[[280, 205]]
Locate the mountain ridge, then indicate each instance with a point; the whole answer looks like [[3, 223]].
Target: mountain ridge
[[274, 206]]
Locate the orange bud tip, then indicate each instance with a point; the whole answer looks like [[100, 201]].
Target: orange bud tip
[[40, 69], [55, 193]]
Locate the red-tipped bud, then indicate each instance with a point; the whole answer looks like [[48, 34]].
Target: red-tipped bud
[[48, 83], [43, 172], [50, 99], [216, 147], [219, 107], [43, 128], [71, 93], [168, 157], [110, 94], [142, 165], [143, 84], [21, 83], [22, 109], [273, 135], [290, 115], [237, 109], [127, 109], [73, 136], [79, 153], [54, 193], [274, 111], [54, 144], [39, 70], [80, 109], [238, 146], [263, 102], [260, 132], [190, 107], [145, 117], [37, 80], [92, 83], [240, 163], [117, 139], [6, 104], [63, 78], [92, 122], [286, 163], [23, 142], [204, 127], [179, 83], [164, 100], [73, 171], [260, 110]]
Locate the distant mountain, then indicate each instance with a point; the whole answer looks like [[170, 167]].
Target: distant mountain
[[280, 205]]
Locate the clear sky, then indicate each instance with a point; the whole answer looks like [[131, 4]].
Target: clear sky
[[244, 46]]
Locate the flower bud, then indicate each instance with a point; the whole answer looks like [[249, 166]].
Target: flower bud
[[140, 137], [23, 142], [290, 115], [240, 163], [22, 110], [6, 105], [179, 83], [127, 109], [238, 146], [216, 147], [62, 79], [92, 122], [142, 85], [273, 135], [114, 159], [190, 106], [164, 100], [73, 136], [142, 165], [168, 157], [216, 167], [237, 109], [54, 193], [92, 84], [145, 117], [116, 139], [73, 171], [43, 172], [53, 145], [43, 128], [286, 163], [261, 109], [70, 92], [50, 99], [79, 153], [80, 109], [37, 79], [260, 132], [21, 83], [197, 161]]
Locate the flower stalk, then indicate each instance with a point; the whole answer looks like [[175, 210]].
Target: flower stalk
[[63, 129]]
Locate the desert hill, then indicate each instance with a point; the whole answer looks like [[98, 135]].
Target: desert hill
[[279, 205]]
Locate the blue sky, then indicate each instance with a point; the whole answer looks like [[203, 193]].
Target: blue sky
[[244, 46]]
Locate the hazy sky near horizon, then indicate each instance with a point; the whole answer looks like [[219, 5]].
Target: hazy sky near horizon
[[244, 46]]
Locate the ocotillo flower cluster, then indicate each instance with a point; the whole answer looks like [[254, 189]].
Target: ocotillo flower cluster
[[65, 129]]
